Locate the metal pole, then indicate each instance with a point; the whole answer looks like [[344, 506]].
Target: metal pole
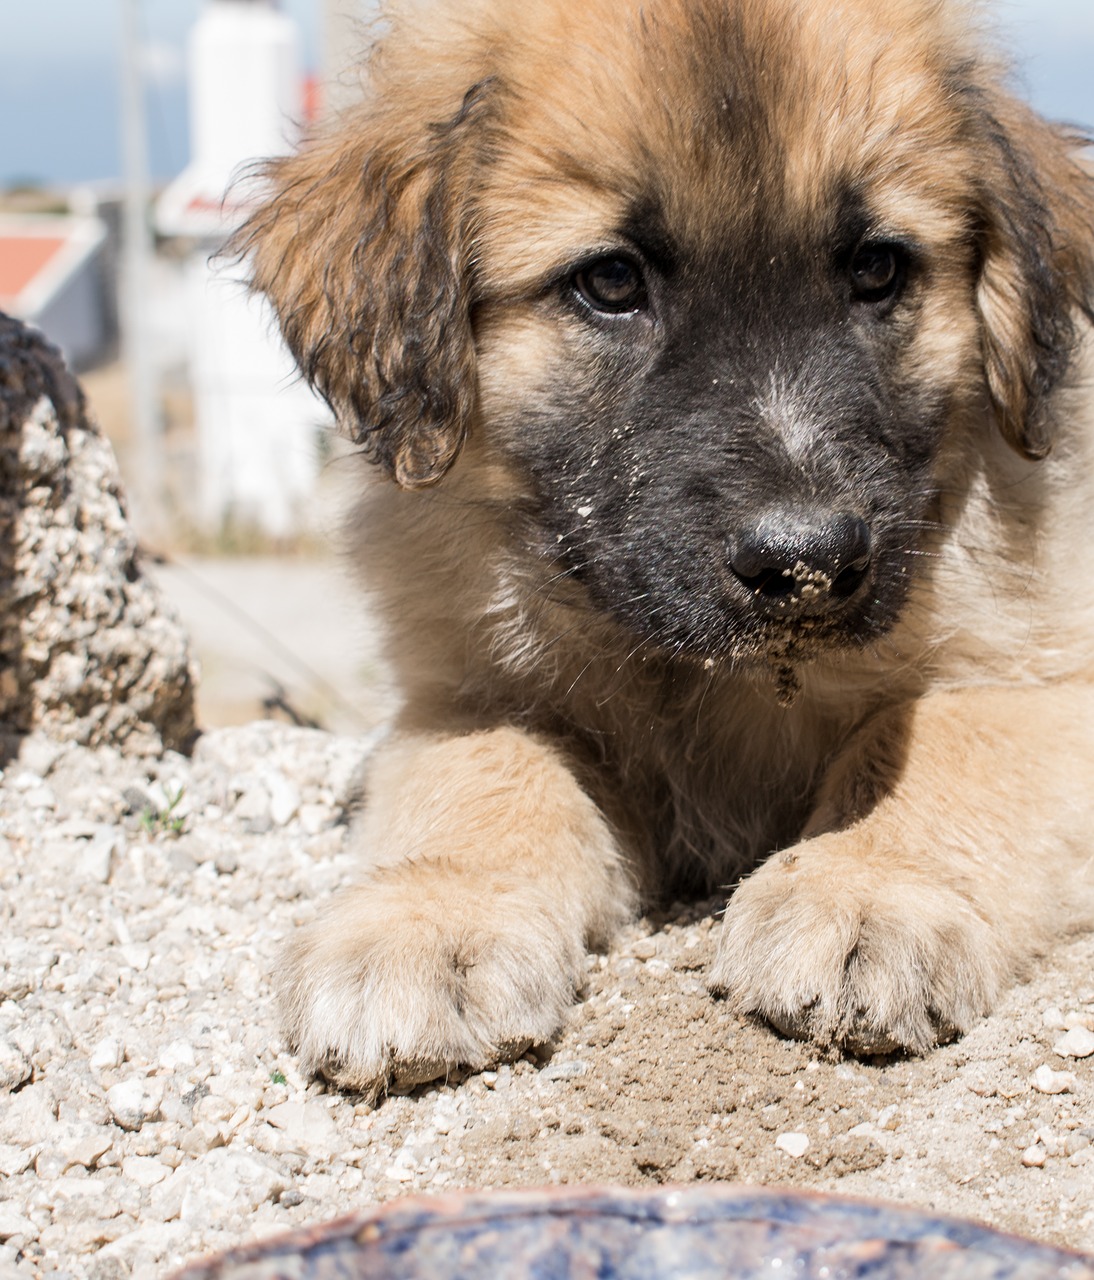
[[146, 477]]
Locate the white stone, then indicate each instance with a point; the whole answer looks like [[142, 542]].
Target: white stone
[[308, 1123], [15, 1160], [14, 1067], [284, 798], [84, 1145], [571, 1070], [29, 1116], [145, 1171], [794, 1144], [1048, 1140], [1077, 1043], [1045, 1080], [80, 1188], [253, 804], [1034, 1157], [106, 1055], [134, 1101], [12, 1223], [230, 1181], [1052, 1019], [178, 1056], [137, 956], [315, 818]]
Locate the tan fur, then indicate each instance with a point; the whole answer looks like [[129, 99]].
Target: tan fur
[[932, 793]]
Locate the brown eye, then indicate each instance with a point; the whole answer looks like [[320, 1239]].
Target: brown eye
[[612, 285], [877, 272]]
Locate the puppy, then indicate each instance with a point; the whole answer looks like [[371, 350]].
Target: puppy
[[722, 365]]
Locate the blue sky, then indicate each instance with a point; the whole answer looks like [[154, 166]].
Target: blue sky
[[59, 77]]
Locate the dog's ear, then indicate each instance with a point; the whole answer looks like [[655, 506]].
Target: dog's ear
[[360, 243], [1036, 228]]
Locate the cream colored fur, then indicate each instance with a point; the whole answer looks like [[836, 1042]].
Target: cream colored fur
[[929, 798]]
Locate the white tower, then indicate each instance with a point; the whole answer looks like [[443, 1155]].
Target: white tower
[[246, 102], [257, 422]]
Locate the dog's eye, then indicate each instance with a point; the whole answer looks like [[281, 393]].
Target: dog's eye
[[877, 271], [613, 285]]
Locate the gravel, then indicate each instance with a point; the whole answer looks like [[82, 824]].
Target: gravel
[[89, 651], [151, 1113]]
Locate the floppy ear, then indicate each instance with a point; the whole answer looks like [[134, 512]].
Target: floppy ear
[[361, 245], [1036, 266]]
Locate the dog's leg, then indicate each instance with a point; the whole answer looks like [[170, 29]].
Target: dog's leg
[[487, 873], [948, 840]]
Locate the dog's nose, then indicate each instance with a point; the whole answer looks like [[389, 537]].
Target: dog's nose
[[802, 564]]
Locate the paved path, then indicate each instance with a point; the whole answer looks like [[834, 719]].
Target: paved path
[[270, 627]]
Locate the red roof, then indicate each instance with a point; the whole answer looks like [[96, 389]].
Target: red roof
[[22, 258]]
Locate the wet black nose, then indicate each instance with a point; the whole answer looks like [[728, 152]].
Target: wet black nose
[[800, 564]]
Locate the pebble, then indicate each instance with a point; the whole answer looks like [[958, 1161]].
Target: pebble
[[13, 1223], [1045, 1080], [134, 1102], [1034, 1157], [14, 1067], [178, 1055], [84, 1146], [107, 1053], [145, 1171], [794, 1144], [310, 1123], [1076, 1043], [284, 798], [571, 1070]]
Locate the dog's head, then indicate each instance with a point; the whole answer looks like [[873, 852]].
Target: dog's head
[[717, 279]]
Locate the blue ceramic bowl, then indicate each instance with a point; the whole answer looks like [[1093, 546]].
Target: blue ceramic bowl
[[702, 1232]]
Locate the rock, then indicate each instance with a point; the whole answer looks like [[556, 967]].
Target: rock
[[309, 1124], [13, 1223], [315, 818], [15, 1160], [89, 653], [14, 1067], [98, 857], [1075, 1142], [134, 1102], [1076, 1043], [145, 1171], [230, 1181], [29, 1116], [1034, 1157], [107, 1053], [178, 1056], [284, 798], [204, 1136], [1045, 1080], [794, 1144], [84, 1145], [564, 1070]]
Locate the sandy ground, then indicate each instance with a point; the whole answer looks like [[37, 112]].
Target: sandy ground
[[652, 1080], [152, 1114]]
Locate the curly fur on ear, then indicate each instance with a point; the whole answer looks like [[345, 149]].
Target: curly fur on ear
[[360, 244], [1036, 264]]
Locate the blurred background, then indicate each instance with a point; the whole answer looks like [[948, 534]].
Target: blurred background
[[122, 125]]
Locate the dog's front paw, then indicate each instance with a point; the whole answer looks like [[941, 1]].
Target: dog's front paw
[[830, 945], [397, 983]]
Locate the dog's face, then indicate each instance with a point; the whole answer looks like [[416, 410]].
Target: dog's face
[[719, 284]]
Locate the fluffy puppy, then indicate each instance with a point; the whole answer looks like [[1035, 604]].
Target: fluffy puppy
[[732, 512]]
